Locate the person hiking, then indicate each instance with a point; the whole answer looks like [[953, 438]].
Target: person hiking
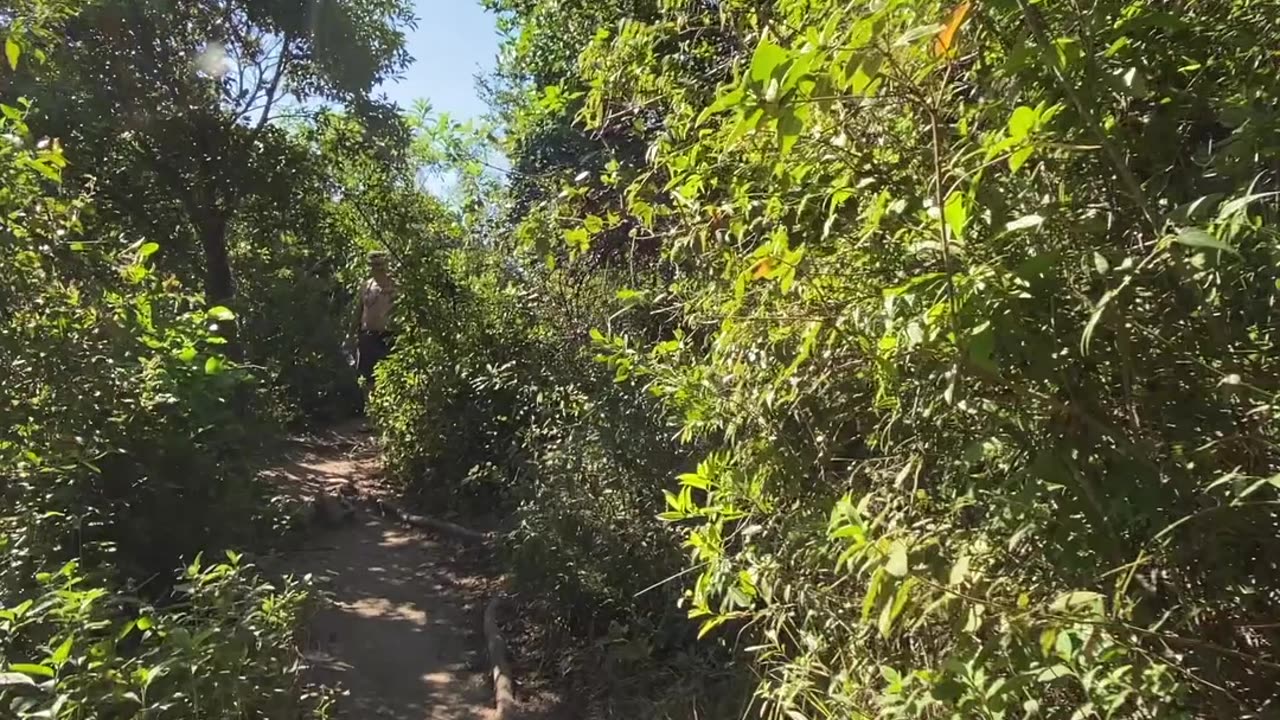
[[377, 297]]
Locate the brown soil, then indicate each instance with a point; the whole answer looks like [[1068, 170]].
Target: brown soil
[[402, 636]]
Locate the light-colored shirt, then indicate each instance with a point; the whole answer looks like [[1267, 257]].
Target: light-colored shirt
[[375, 305]]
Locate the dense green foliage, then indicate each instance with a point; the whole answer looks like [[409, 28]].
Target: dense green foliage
[[923, 355], [134, 412], [964, 316]]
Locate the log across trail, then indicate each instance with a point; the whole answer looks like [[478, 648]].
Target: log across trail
[[403, 633]]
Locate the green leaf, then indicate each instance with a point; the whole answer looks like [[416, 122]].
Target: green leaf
[[790, 125], [147, 250], [63, 652], [1196, 237], [1087, 337], [889, 615], [878, 580], [694, 480], [8, 679], [1064, 645], [1025, 222], [12, 51], [862, 81], [768, 56], [220, 313], [916, 33], [722, 103], [31, 669], [982, 346], [578, 238], [897, 565], [885, 623], [959, 571], [214, 365], [1020, 158], [1048, 638], [746, 124], [957, 214], [711, 624], [1022, 121], [1050, 674], [43, 168], [1237, 206]]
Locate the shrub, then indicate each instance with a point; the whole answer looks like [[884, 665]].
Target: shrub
[[124, 448], [222, 646]]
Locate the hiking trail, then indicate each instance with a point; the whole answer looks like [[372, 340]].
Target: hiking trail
[[402, 635]]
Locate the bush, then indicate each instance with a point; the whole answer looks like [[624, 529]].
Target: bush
[[124, 448], [988, 415], [222, 646], [965, 311]]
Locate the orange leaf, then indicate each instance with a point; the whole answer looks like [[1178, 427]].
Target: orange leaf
[[764, 267], [947, 37]]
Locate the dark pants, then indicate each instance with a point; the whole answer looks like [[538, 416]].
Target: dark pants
[[370, 350]]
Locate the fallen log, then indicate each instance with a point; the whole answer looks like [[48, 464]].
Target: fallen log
[[503, 687], [430, 524]]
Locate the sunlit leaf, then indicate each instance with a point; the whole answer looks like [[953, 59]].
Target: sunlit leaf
[[897, 564], [956, 213], [12, 51], [946, 39], [32, 669], [1196, 237], [12, 678], [766, 58], [63, 652], [1026, 222], [919, 32], [722, 103], [1020, 157], [1022, 121]]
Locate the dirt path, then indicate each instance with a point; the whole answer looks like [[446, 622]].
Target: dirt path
[[402, 636]]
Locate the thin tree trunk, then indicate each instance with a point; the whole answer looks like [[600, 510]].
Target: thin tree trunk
[[219, 284], [219, 281]]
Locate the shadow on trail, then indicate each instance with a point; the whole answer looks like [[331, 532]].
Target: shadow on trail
[[402, 632]]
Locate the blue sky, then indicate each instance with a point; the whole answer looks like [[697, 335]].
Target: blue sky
[[455, 40]]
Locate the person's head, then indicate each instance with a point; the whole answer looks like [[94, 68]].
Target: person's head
[[379, 263]]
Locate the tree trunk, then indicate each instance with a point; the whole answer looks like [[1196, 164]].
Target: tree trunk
[[219, 284]]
